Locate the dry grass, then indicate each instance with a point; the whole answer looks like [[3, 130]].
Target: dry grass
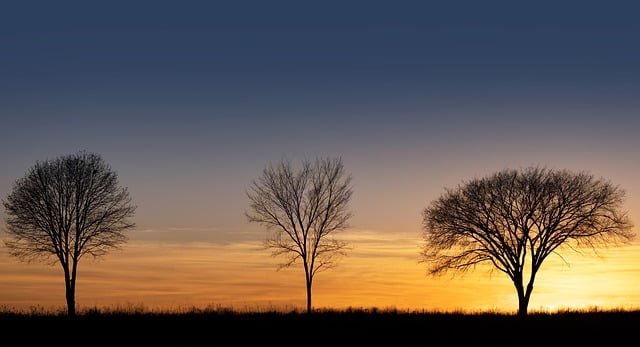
[[134, 325]]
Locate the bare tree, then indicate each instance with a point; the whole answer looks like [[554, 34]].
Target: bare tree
[[515, 219], [303, 209], [65, 208]]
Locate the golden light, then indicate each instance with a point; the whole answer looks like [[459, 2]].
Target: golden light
[[380, 271]]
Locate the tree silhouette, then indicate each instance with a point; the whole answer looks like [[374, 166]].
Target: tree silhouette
[[303, 209], [65, 208], [516, 219]]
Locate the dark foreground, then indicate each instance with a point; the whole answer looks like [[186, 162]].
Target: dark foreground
[[323, 328]]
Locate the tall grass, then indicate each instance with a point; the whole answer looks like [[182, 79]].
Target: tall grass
[[133, 309]]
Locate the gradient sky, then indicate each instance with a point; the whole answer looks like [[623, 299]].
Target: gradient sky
[[188, 101]]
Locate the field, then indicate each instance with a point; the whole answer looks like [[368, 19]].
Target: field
[[353, 327]]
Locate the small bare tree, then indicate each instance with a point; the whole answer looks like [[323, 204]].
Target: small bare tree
[[515, 219], [65, 208], [303, 209]]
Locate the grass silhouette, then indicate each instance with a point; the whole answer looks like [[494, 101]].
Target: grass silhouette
[[213, 325]]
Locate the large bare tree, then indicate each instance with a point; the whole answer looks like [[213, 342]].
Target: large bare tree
[[515, 219], [66, 208], [303, 209]]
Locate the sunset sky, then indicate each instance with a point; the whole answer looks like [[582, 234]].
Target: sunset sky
[[189, 100]]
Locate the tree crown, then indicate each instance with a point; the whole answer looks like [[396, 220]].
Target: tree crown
[[505, 217], [303, 208], [67, 207]]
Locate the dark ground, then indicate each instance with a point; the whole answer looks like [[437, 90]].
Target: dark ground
[[300, 329]]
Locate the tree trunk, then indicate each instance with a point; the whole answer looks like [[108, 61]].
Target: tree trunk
[[70, 290], [71, 302], [309, 296], [523, 298], [522, 307], [71, 296]]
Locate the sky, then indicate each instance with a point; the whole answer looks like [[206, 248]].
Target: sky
[[188, 101]]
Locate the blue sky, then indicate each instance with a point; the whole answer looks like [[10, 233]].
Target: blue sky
[[188, 101]]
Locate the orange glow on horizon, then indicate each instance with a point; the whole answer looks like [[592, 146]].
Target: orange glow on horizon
[[381, 271]]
